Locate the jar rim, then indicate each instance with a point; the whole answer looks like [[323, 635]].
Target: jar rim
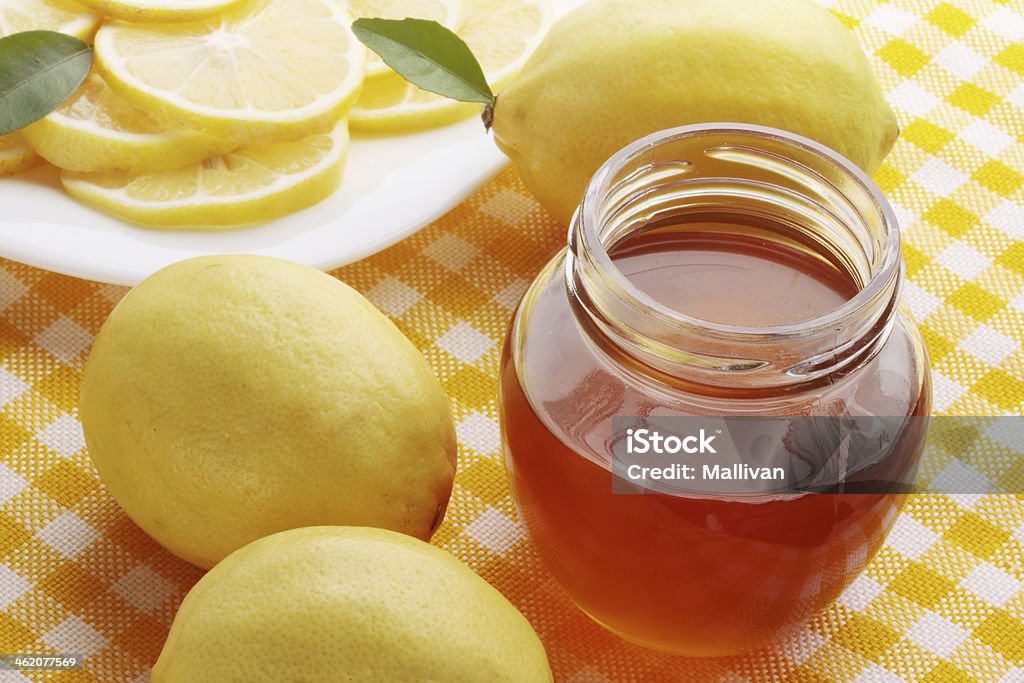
[[880, 278]]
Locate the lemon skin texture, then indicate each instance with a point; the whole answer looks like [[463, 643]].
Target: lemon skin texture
[[611, 72], [230, 397], [331, 604]]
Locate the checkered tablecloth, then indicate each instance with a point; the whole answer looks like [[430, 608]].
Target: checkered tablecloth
[[942, 603]]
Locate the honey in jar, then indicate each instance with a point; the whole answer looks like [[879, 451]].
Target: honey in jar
[[719, 271]]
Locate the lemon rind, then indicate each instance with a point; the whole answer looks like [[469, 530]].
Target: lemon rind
[[443, 112], [83, 146], [83, 26], [378, 69], [159, 11], [241, 125], [18, 158], [290, 193]]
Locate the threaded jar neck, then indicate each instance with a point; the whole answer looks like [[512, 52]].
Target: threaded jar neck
[[794, 191]]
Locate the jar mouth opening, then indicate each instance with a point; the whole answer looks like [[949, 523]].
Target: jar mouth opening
[[882, 267]]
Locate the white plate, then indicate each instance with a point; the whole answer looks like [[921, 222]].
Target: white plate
[[393, 186]]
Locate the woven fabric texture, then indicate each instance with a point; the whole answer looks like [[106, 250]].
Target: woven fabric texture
[[942, 603]]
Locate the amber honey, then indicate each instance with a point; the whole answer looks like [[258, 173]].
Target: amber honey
[[720, 576], [724, 274], [714, 272]]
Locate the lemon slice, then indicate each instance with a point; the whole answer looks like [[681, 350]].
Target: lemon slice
[[159, 10], [16, 155], [445, 12], [95, 130], [501, 33], [250, 185], [63, 16], [265, 71]]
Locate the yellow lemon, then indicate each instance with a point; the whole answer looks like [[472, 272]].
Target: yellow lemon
[[329, 604], [230, 397], [612, 72]]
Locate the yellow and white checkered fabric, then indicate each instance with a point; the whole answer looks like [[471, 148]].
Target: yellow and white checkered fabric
[[942, 603]]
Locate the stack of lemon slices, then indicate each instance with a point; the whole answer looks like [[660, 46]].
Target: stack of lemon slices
[[220, 113]]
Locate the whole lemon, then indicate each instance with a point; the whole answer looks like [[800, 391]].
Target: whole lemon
[[347, 604], [230, 397], [612, 72]]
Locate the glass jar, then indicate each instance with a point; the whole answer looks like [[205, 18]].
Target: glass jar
[[716, 270]]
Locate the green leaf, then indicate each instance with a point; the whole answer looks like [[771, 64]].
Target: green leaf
[[427, 55], [38, 71]]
